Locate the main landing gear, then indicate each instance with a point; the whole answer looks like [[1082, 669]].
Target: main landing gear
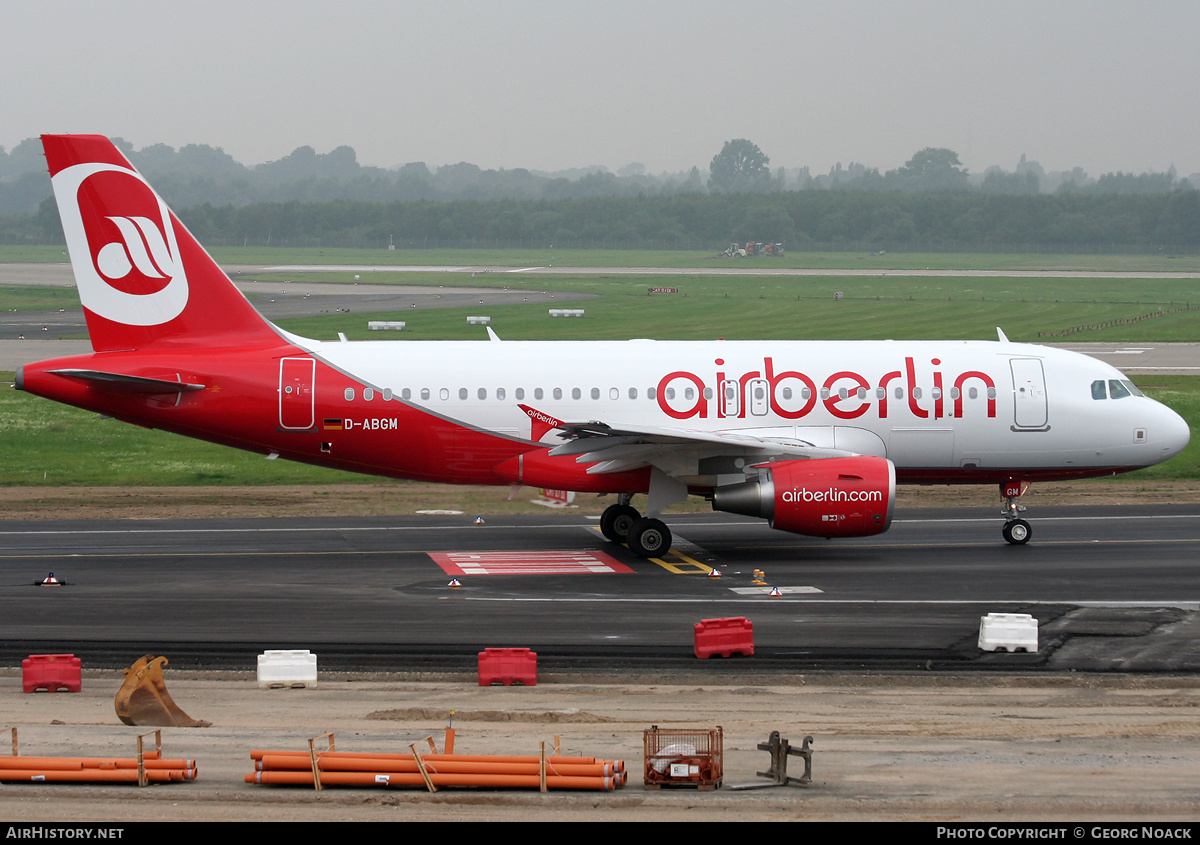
[[1016, 530], [621, 523]]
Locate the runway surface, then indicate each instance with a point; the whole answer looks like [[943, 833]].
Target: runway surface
[[1114, 588]]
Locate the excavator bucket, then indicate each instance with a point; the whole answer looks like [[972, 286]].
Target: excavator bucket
[[143, 698]]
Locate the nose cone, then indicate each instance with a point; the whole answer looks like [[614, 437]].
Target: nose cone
[[1173, 432]]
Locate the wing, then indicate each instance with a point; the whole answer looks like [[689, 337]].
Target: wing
[[680, 460], [615, 448]]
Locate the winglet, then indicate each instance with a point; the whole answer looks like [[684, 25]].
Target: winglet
[[492, 335], [539, 423], [1003, 337]]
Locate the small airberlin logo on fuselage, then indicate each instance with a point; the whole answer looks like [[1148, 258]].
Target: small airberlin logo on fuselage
[[122, 244], [803, 494]]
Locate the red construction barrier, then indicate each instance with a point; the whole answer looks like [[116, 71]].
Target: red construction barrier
[[507, 666], [51, 672], [724, 637]]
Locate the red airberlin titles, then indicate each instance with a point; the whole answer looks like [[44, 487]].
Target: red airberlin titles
[[812, 436], [845, 395]]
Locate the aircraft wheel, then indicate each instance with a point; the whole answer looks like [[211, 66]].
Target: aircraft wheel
[[1017, 532], [649, 538], [616, 521]]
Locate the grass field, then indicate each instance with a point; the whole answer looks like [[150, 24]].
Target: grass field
[[48, 444], [793, 308], [771, 307]]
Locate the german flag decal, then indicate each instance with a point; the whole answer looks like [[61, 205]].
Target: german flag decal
[[331, 425]]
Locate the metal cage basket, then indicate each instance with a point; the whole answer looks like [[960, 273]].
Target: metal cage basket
[[683, 757]]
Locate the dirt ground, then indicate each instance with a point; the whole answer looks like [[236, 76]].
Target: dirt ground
[[407, 497], [996, 749]]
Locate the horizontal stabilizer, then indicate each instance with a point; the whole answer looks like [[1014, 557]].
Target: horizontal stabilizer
[[128, 384]]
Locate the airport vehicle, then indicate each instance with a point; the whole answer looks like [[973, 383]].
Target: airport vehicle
[[812, 436]]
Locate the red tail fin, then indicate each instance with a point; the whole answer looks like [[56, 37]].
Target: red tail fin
[[141, 275]]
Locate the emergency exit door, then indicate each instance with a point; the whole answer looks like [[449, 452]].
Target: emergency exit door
[[296, 395]]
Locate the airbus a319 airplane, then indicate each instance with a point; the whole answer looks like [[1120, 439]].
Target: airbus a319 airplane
[[811, 436]]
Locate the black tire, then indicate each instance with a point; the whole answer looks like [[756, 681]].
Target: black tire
[[649, 538], [1017, 532], [616, 521]]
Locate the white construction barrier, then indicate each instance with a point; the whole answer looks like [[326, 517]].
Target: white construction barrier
[[1008, 631], [566, 312], [479, 321], [389, 325], [284, 668]]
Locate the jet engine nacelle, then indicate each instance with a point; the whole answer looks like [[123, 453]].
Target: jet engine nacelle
[[826, 497]]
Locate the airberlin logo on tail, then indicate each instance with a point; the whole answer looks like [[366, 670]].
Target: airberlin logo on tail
[[122, 244], [142, 247]]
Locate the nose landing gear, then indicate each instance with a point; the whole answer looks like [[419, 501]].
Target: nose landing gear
[[1016, 530]]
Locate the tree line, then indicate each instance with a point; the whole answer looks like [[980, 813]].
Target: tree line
[[798, 219], [928, 204]]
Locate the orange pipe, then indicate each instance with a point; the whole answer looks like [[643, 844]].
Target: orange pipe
[[482, 758], [400, 779], [90, 775], [275, 763], [90, 763]]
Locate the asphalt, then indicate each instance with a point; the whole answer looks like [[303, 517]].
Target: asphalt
[[1110, 588]]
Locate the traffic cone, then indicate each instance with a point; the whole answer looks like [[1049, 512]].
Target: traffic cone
[[775, 593], [454, 585], [479, 520], [51, 581]]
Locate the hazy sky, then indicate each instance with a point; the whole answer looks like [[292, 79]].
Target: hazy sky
[[549, 85]]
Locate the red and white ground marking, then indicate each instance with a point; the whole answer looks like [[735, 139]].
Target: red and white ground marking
[[529, 563]]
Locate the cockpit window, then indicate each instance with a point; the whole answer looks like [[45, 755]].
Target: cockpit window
[[1115, 388]]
